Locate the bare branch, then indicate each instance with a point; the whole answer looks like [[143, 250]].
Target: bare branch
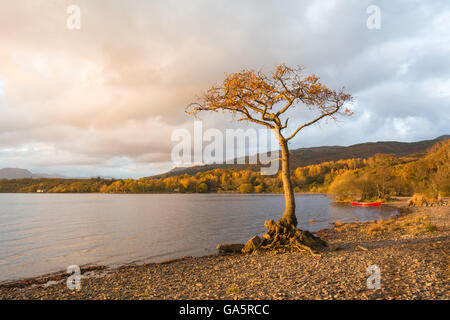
[[287, 106], [328, 114], [258, 122]]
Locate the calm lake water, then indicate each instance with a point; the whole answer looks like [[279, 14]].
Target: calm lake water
[[43, 233]]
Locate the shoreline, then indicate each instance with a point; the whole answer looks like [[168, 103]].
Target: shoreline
[[62, 274], [52, 286]]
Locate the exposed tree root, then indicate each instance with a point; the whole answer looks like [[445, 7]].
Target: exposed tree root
[[282, 237]]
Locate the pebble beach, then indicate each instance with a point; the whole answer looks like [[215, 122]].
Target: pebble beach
[[410, 251]]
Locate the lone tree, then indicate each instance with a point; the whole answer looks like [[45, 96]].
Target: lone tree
[[264, 99]]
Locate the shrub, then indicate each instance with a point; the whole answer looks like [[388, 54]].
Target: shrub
[[344, 187], [246, 188], [202, 187], [234, 289], [259, 188], [428, 227]]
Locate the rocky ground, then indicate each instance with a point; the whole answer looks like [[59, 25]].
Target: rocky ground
[[410, 251]]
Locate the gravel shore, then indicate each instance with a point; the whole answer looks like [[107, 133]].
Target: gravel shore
[[411, 252]]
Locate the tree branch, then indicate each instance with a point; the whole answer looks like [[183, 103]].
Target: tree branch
[[314, 121]]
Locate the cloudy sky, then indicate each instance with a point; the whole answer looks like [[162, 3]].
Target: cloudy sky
[[105, 99]]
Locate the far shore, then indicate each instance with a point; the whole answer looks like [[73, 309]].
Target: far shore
[[411, 250], [222, 192]]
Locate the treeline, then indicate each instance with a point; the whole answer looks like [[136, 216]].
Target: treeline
[[385, 176], [54, 185], [381, 176]]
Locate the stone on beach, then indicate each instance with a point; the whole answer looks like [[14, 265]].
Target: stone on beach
[[252, 244]]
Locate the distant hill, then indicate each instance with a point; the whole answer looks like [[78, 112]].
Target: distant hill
[[17, 173], [308, 156]]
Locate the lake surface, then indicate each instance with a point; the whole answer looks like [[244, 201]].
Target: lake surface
[[43, 233]]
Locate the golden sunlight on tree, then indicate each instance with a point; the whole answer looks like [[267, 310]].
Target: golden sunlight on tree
[[264, 99]]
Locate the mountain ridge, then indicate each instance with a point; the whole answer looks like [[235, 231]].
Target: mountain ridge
[[19, 173], [314, 155]]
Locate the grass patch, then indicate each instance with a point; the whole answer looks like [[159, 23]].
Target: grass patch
[[403, 225], [234, 290], [430, 227]]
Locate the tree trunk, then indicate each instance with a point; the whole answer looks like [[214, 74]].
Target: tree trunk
[[289, 212], [283, 235]]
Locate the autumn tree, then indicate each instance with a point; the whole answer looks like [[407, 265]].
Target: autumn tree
[[265, 99]]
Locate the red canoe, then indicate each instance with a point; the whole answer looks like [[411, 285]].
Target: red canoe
[[366, 204]]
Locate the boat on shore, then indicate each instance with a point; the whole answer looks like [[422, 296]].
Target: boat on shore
[[374, 204]]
